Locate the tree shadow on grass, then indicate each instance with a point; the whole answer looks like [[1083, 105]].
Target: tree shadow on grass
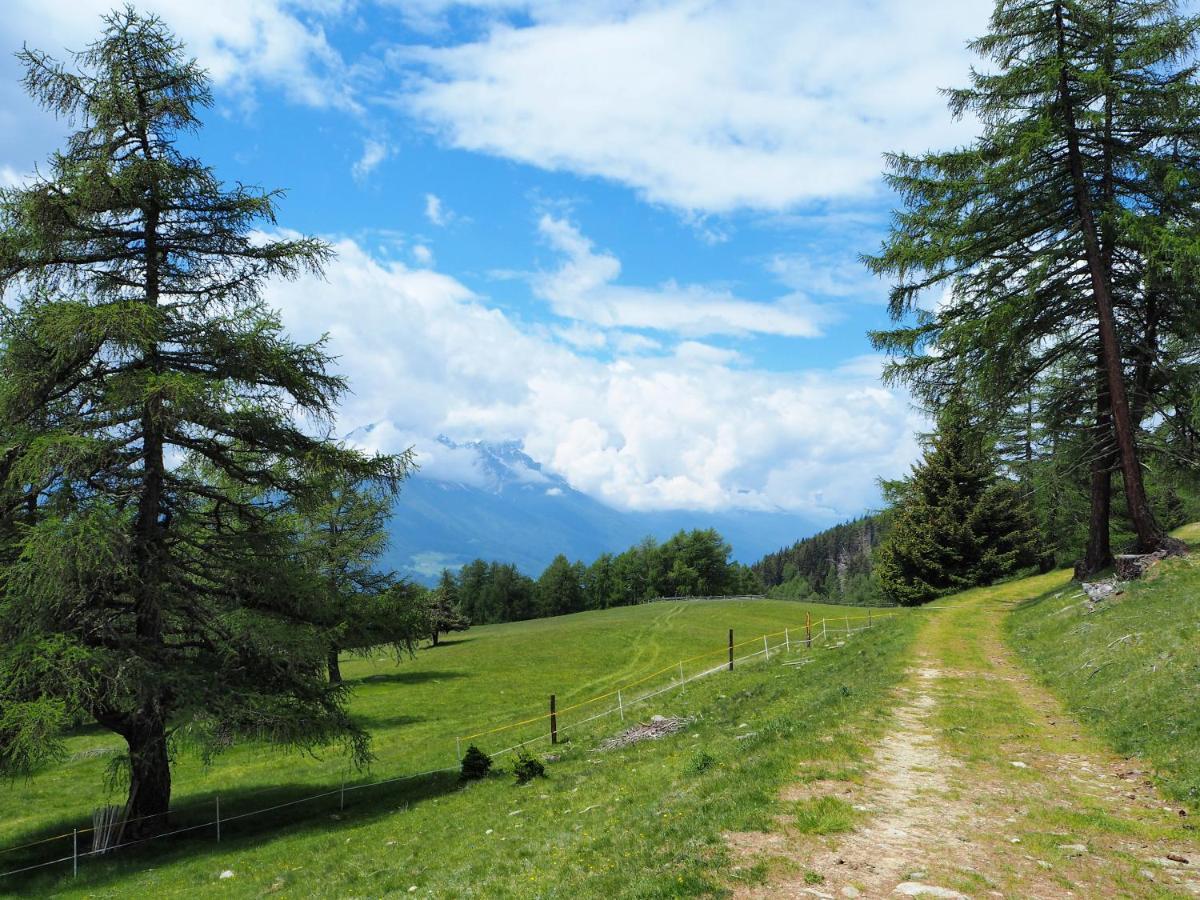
[[248, 818], [405, 677]]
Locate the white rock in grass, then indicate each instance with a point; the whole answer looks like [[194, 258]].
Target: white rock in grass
[[1020, 765], [412, 888], [228, 873], [916, 889]]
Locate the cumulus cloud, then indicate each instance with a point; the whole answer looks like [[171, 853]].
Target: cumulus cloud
[[705, 107], [241, 43], [584, 288], [695, 427]]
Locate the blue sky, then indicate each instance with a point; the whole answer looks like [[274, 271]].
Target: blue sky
[[624, 234]]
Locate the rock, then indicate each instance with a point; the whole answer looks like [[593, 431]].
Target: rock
[[228, 873], [1102, 590], [1073, 849], [917, 889], [1018, 764], [412, 888], [1147, 874], [489, 831], [850, 891], [1175, 857], [658, 718]]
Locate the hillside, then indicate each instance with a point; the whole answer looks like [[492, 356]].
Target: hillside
[[832, 565], [917, 754], [505, 507], [1128, 666], [484, 678]]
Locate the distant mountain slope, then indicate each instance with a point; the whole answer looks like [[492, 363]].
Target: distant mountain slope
[[511, 510], [833, 563]]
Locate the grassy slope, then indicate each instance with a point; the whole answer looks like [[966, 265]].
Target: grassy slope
[[654, 823], [1130, 670]]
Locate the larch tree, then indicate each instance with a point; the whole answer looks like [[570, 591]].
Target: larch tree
[[343, 535], [156, 429], [1059, 236]]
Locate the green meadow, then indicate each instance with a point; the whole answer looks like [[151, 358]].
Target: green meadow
[[656, 809]]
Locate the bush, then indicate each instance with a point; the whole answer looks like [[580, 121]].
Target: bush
[[526, 768], [475, 764]]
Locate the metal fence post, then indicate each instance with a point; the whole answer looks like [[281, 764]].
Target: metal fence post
[[218, 818], [730, 649], [553, 722]]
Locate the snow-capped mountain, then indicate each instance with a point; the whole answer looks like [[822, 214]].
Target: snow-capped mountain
[[493, 501]]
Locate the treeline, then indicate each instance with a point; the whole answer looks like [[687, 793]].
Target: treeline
[[832, 566], [690, 564]]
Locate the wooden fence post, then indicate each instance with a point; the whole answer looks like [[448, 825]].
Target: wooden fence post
[[808, 629], [553, 722], [730, 649]]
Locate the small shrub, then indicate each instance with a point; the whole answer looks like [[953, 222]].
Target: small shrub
[[475, 764], [701, 761], [526, 768], [811, 877]]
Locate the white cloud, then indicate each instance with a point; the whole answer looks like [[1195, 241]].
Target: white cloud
[[435, 211], [704, 106], [241, 43], [423, 255], [374, 152], [695, 428], [584, 288], [10, 177]]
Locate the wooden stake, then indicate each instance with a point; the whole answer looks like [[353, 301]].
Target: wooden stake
[[553, 722], [808, 629], [730, 649]]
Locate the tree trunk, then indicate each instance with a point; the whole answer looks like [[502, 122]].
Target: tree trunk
[[150, 776], [1098, 555], [335, 667], [1150, 536], [436, 636]]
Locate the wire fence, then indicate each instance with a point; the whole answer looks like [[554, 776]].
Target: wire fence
[[552, 728]]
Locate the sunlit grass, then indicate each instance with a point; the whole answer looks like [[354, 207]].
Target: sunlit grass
[[643, 821]]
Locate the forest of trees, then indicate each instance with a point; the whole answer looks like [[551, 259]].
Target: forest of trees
[[832, 566], [689, 564]]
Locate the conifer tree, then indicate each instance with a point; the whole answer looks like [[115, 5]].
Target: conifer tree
[[957, 524], [1063, 231], [445, 608], [343, 534], [150, 426]]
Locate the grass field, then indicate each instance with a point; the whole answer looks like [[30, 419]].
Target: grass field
[[1129, 668], [653, 812]]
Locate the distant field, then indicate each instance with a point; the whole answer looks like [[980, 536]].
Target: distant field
[[483, 678]]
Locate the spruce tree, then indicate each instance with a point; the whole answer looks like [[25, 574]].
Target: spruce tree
[[957, 524], [151, 413]]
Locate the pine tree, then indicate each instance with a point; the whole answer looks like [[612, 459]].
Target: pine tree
[[1062, 232], [957, 524], [149, 404]]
